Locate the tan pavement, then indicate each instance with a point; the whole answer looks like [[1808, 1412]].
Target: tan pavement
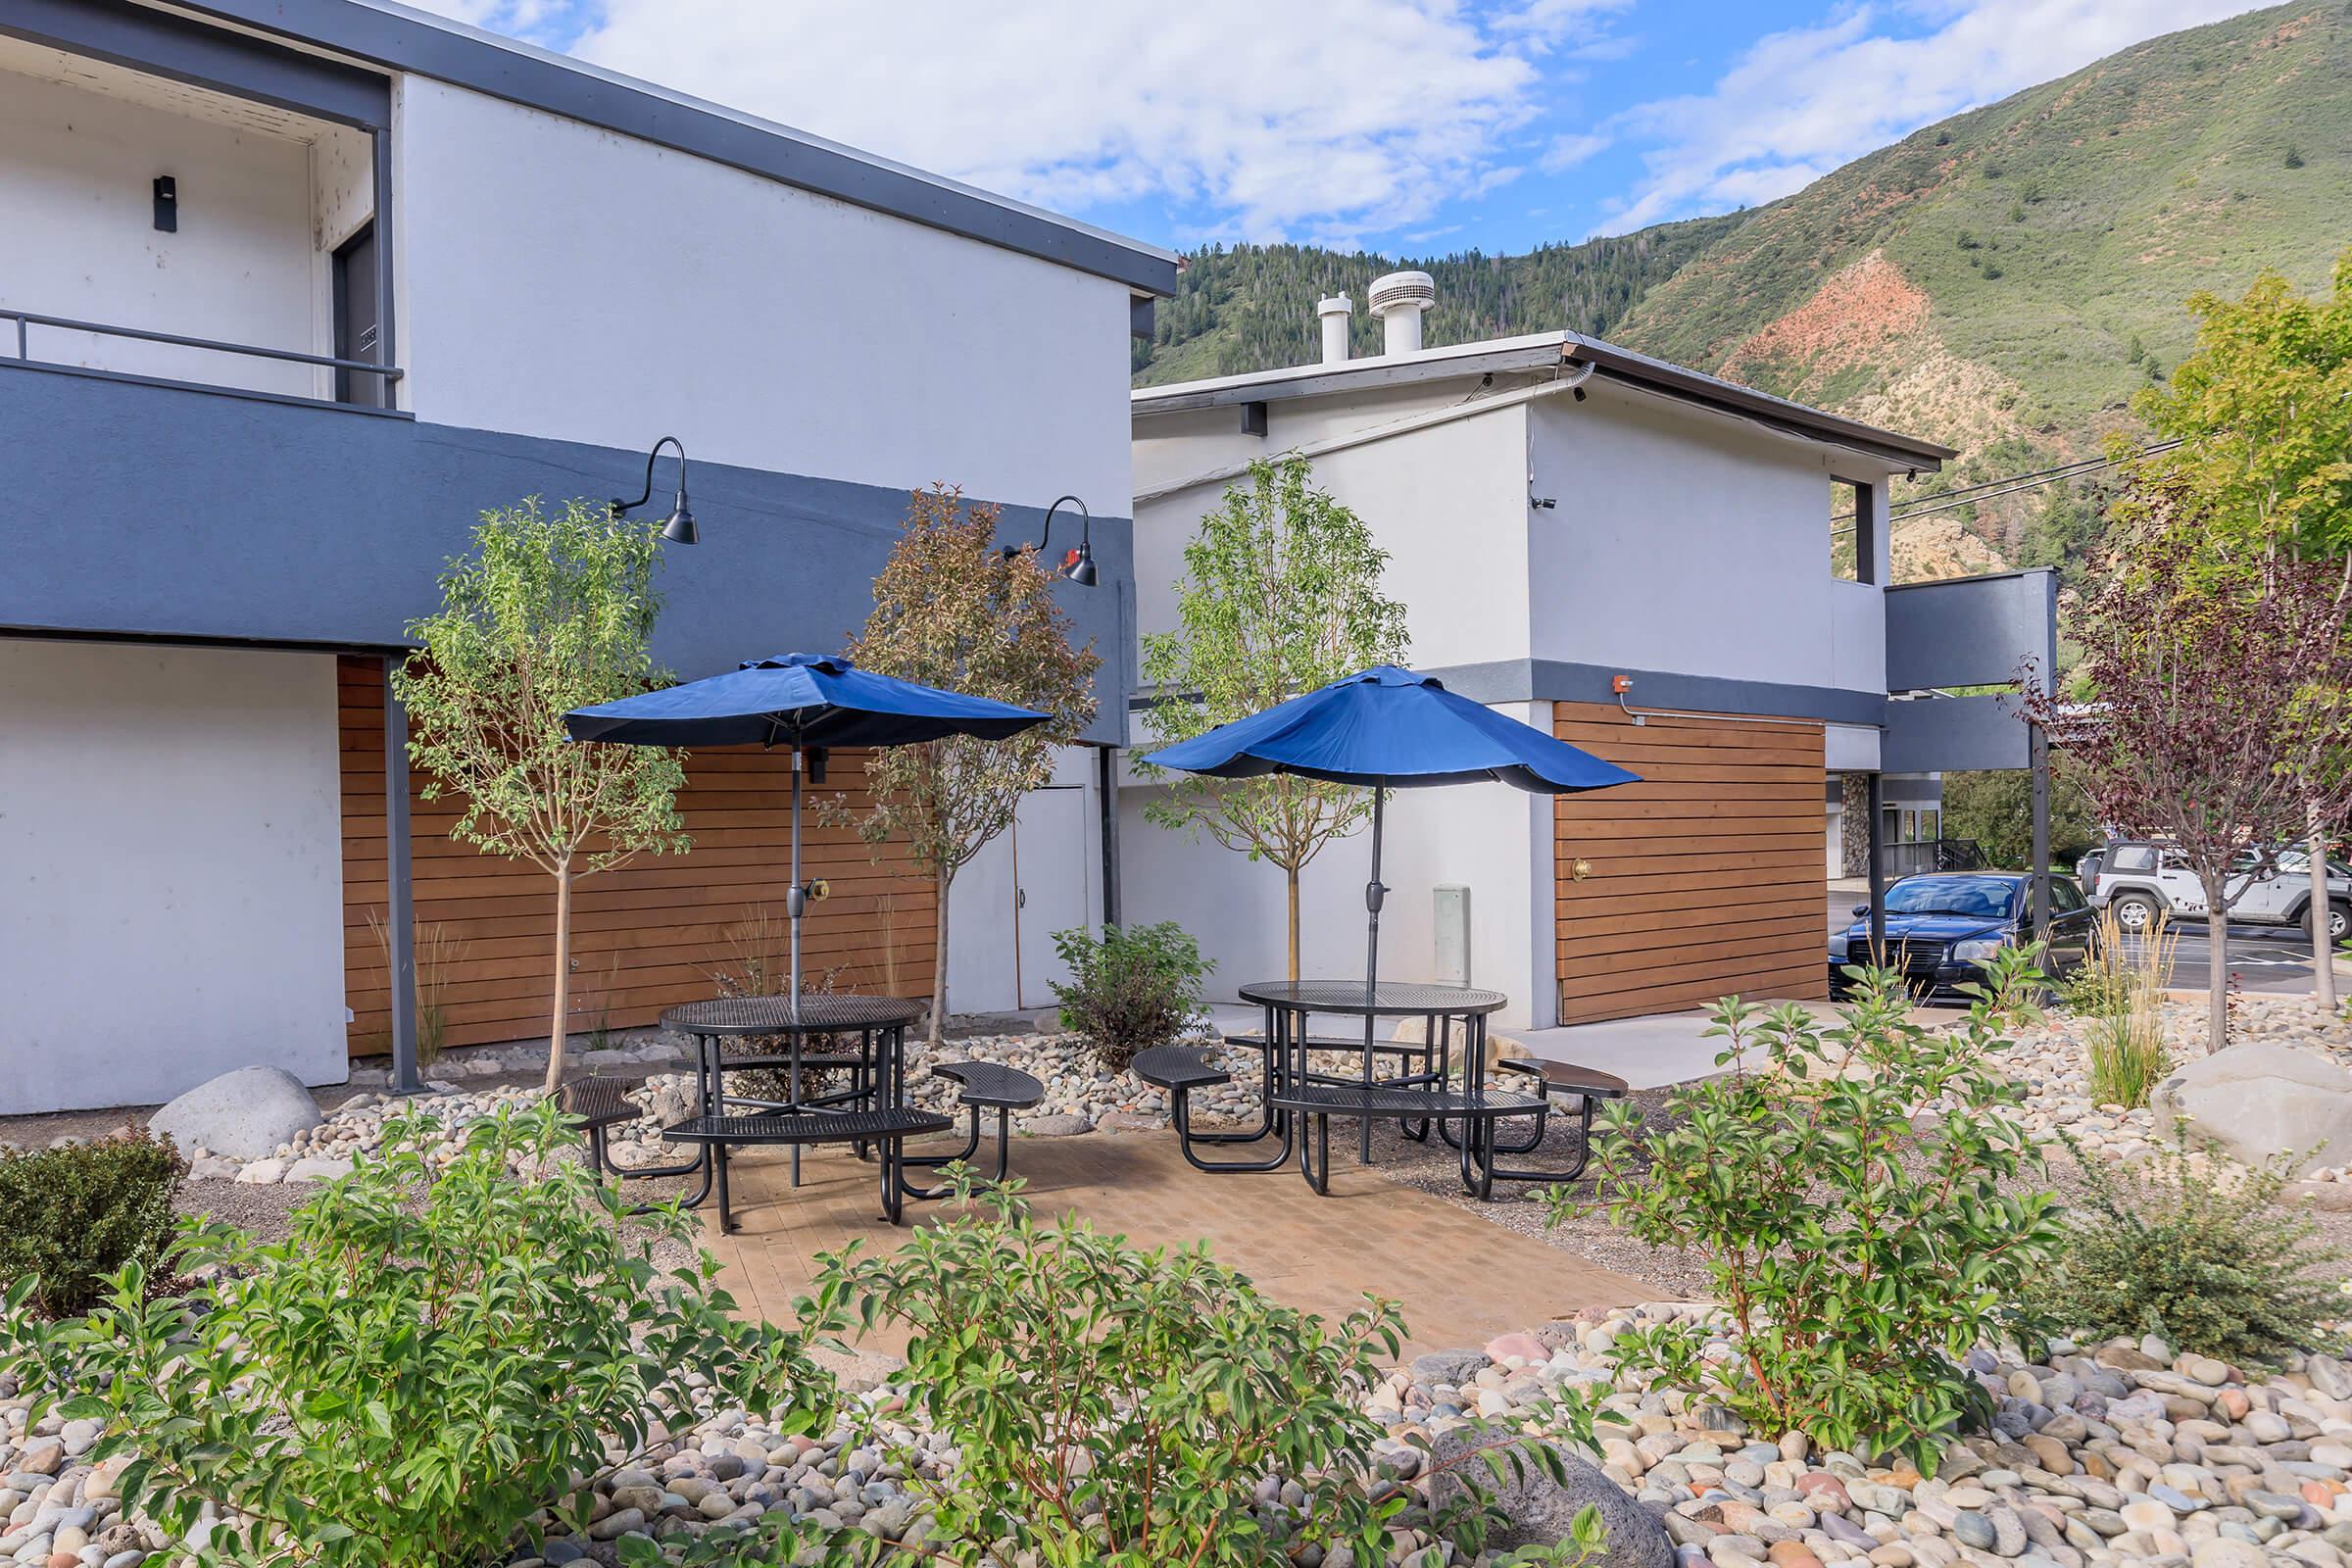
[[1462, 1279]]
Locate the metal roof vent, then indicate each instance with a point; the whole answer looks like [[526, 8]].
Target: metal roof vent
[[1334, 313], [1399, 299]]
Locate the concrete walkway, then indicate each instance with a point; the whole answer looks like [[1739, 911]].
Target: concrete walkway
[[1462, 1279]]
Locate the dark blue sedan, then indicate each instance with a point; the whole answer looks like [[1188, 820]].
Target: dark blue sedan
[[1944, 927]]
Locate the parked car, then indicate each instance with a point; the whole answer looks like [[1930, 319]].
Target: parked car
[[1943, 927], [2139, 879]]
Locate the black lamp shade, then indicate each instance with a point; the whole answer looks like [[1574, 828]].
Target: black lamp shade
[[1081, 570], [679, 530]]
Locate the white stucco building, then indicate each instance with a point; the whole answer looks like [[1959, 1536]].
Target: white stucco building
[[290, 291], [1628, 553]]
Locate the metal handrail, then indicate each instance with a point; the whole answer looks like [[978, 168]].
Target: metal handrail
[[27, 319]]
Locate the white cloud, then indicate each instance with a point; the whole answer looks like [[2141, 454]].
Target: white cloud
[[1325, 123], [1803, 102], [1568, 151]]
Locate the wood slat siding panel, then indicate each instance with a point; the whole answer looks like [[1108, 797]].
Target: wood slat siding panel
[[646, 936], [1706, 875]]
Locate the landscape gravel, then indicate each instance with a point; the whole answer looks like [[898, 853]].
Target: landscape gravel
[[2120, 1452]]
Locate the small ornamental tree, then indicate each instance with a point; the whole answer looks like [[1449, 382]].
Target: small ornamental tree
[[1281, 596], [553, 610], [2212, 696], [953, 611], [2264, 411]]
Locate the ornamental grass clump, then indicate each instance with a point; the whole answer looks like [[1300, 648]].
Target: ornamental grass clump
[[2207, 1261], [1858, 1253], [433, 1364], [2120, 995]]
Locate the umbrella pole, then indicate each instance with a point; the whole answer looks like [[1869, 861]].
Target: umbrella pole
[[794, 900], [1374, 894]]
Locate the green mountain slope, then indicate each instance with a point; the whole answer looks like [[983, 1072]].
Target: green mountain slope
[[2003, 281], [1253, 307]]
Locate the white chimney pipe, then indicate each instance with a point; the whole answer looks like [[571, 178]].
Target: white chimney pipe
[[1335, 313], [1399, 299]]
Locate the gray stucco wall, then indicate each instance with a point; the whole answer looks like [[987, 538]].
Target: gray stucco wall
[[154, 510], [1971, 631]]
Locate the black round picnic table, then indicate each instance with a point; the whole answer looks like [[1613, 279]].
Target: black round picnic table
[[877, 1068], [1425, 1095]]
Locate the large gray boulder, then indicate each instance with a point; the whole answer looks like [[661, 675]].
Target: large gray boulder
[[1538, 1511], [243, 1114], [2258, 1102]]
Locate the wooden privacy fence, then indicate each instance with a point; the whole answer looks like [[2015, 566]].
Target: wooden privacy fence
[[648, 936], [1706, 875]]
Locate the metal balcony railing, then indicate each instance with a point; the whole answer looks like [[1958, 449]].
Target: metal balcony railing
[[25, 320], [1931, 855]]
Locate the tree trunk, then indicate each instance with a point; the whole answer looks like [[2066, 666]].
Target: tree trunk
[[2217, 972], [2322, 951], [558, 1029], [1291, 878], [939, 960]]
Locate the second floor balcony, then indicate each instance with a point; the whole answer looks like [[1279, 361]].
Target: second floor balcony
[[161, 229]]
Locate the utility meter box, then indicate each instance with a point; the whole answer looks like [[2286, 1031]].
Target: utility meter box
[[1452, 933]]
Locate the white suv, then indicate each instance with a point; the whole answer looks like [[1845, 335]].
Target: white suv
[[2139, 879]]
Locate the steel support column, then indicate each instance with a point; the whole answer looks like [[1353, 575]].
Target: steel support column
[[1878, 868], [2037, 744], [399, 917]]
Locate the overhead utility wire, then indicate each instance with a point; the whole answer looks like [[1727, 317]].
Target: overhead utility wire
[[2008, 485]]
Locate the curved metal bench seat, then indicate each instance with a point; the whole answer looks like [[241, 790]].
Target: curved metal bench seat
[[981, 1084], [1381, 1103], [888, 1129], [1178, 1067], [989, 1082]]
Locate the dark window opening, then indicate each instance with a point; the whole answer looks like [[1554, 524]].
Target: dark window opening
[[358, 321]]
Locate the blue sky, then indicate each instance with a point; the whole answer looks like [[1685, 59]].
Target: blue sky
[[1403, 126]]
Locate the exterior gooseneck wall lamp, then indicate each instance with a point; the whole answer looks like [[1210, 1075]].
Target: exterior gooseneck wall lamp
[[680, 527], [1079, 564]]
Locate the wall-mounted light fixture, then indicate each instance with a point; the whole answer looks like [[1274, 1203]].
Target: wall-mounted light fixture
[[679, 529], [1079, 564]]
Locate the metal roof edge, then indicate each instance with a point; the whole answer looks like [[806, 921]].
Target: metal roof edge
[[1532, 352]]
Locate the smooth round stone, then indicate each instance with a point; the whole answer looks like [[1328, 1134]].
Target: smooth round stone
[[1974, 1530]]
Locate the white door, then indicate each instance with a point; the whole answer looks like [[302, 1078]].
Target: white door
[[1051, 865]]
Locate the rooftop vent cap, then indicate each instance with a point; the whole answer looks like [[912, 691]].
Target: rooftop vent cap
[[1335, 313], [1399, 299]]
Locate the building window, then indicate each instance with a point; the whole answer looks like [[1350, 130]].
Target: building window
[[1930, 827]]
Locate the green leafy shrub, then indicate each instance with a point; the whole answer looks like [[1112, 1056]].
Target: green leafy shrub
[[2209, 1263], [1858, 1253], [1112, 1406], [79, 1213], [429, 1360], [1130, 988]]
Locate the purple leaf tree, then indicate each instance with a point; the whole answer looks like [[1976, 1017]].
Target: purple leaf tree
[[2208, 705]]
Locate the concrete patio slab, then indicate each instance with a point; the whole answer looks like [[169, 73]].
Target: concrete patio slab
[[1462, 1279]]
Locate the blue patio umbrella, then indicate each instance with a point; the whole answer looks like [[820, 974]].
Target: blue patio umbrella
[[806, 701], [1389, 728]]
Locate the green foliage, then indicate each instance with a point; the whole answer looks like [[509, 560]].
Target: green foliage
[[1858, 1254], [953, 611], [430, 1359], [1120, 1407], [1130, 988], [77, 1215], [1281, 595], [1997, 809], [553, 610], [2266, 405], [2213, 1264]]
